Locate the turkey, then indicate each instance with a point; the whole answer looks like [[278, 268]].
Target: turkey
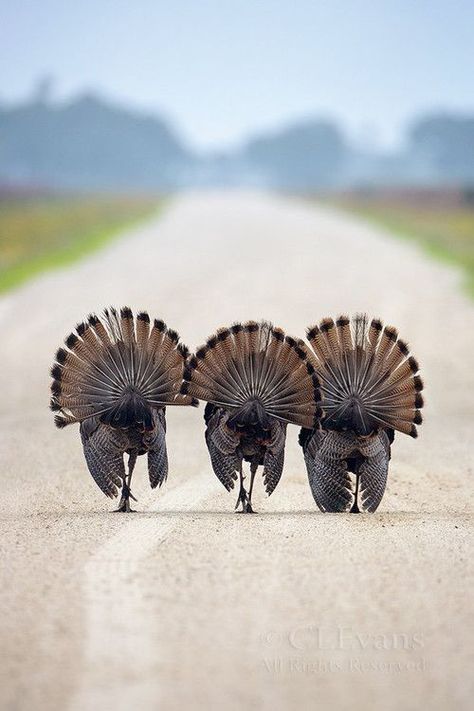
[[370, 388], [255, 381], [115, 376]]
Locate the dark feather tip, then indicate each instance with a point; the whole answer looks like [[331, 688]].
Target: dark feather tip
[[326, 325], [413, 363], [54, 405], [312, 332], [251, 327], [61, 356], [71, 340], [194, 402], [201, 352], [413, 432], [223, 334], [291, 341], [418, 419], [342, 321], [184, 388], [300, 353], [60, 422], [173, 335], [403, 347], [236, 328], [56, 388], [376, 324], [93, 320], [212, 342], [143, 316], [187, 373], [315, 381], [184, 350], [391, 333], [310, 368], [56, 372], [419, 402], [81, 328], [418, 383], [278, 334], [126, 312], [159, 325], [192, 362]]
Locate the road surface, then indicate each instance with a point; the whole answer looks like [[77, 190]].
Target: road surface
[[186, 604]]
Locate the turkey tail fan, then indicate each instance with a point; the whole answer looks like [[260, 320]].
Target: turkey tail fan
[[368, 378], [118, 367], [255, 371]]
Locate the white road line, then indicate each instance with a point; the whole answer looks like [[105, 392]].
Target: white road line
[[118, 636]]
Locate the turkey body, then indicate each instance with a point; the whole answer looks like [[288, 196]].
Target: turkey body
[[370, 389], [115, 376], [255, 381], [230, 444], [331, 457], [105, 446]]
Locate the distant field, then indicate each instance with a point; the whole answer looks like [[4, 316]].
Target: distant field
[[42, 232], [441, 222]]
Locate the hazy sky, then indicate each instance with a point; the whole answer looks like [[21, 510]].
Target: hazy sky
[[221, 70]]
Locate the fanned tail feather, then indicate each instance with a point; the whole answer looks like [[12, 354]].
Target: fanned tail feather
[[254, 365], [118, 368], [368, 378]]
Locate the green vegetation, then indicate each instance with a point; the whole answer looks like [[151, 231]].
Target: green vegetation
[[444, 228], [41, 233]]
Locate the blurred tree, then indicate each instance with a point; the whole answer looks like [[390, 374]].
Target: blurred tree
[[447, 143], [306, 155], [43, 90], [87, 143]]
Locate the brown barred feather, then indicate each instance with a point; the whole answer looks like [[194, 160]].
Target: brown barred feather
[[255, 362], [368, 378], [116, 368]]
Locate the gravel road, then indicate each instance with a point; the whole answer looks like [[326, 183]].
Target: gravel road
[[186, 605]]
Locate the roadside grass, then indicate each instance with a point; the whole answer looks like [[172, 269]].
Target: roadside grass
[[46, 232], [444, 230]]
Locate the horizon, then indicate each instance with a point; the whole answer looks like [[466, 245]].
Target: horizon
[[54, 101], [220, 75]]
